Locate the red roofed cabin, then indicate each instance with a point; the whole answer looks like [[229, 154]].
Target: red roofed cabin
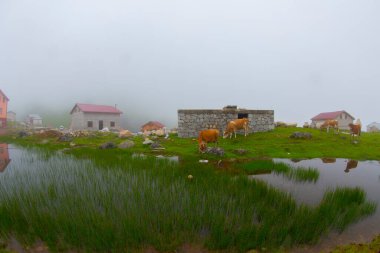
[[152, 126], [3, 109], [342, 117], [94, 117]]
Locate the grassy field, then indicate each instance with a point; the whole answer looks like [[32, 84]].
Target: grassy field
[[274, 144], [134, 203], [108, 200]]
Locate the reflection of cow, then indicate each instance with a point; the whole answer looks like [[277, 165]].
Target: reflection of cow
[[352, 164], [206, 136], [235, 125], [330, 124], [328, 160]]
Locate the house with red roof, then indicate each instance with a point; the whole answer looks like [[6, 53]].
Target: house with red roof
[[94, 117], [3, 109], [342, 117]]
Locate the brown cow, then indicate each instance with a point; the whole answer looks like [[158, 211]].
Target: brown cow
[[235, 125], [355, 129], [330, 124], [206, 136]]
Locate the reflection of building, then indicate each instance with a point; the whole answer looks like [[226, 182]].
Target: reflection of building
[[3, 109], [342, 117], [4, 156]]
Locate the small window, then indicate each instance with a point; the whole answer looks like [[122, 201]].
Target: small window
[[242, 115], [112, 124], [89, 124]]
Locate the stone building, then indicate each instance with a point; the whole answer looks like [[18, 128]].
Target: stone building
[[94, 117], [191, 121], [342, 117]]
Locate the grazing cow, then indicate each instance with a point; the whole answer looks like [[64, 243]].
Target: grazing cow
[[235, 125], [206, 136], [352, 164], [330, 124], [355, 129]]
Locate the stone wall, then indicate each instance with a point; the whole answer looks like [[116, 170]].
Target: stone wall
[[190, 122]]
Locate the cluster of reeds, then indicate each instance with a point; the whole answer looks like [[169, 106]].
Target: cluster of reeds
[[134, 203]]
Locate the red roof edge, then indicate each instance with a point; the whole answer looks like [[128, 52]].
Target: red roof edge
[[4, 95]]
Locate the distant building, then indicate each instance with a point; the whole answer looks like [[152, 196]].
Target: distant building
[[33, 120], [152, 126], [11, 116], [191, 121], [373, 127], [94, 117], [3, 109], [342, 117]]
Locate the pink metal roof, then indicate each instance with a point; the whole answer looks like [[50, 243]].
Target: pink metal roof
[[4, 95], [329, 115], [97, 108]]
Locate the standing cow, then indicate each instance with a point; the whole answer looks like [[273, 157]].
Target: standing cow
[[235, 125]]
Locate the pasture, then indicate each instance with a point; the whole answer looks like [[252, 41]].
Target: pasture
[[129, 203]]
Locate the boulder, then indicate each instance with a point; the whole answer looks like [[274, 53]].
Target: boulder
[[215, 151], [23, 134], [125, 134], [66, 138], [126, 144], [301, 135], [156, 145], [148, 141], [241, 151], [107, 145]]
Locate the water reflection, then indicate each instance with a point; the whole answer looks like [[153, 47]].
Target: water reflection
[[351, 164], [328, 160], [4, 156], [363, 174]]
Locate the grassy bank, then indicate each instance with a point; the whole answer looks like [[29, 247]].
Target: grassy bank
[[134, 203], [258, 145]]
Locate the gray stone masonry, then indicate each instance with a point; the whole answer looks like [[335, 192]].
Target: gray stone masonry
[[190, 122]]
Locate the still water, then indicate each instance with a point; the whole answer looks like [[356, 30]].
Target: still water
[[334, 173]]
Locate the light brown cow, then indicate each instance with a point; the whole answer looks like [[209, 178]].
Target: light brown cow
[[206, 136], [330, 124], [355, 130], [235, 125]]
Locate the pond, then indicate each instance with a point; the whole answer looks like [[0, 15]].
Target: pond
[[333, 173], [56, 184]]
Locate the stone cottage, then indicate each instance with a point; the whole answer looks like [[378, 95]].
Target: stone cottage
[[94, 117], [342, 117], [191, 121]]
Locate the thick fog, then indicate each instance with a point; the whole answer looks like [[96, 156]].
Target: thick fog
[[298, 58]]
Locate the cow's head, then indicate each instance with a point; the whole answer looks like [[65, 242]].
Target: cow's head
[[202, 147], [225, 134]]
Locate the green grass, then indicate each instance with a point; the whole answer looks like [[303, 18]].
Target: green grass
[[371, 247], [273, 144], [268, 166], [134, 203]]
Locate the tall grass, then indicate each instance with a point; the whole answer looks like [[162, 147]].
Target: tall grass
[[134, 203], [298, 174]]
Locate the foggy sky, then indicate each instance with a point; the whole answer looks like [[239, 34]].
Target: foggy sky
[[298, 58]]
